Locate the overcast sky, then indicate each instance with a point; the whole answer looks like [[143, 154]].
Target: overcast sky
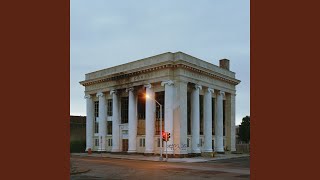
[[105, 33]]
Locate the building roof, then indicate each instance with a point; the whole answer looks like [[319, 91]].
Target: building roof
[[165, 60]]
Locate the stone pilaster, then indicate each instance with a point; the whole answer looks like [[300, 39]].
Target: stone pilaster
[[168, 111], [207, 116], [150, 119], [133, 121], [115, 122], [219, 123], [89, 122], [102, 121], [195, 119]]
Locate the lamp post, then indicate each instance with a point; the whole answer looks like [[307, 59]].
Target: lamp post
[[147, 96]]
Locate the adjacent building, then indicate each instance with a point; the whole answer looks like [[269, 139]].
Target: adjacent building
[[77, 128], [197, 98]]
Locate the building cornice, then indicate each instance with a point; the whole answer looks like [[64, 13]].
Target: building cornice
[[171, 65]]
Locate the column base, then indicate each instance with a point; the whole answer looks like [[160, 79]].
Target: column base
[[196, 151], [208, 150], [131, 151], [102, 150]]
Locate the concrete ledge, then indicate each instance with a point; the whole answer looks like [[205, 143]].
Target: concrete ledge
[[220, 152], [194, 154], [207, 154], [148, 154]]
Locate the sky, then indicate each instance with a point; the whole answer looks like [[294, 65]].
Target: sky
[[106, 33]]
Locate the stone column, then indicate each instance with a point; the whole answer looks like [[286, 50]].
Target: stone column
[[195, 119], [207, 116], [115, 122], [102, 121], [133, 121], [230, 121], [180, 116], [150, 119], [89, 122], [168, 112], [219, 124]]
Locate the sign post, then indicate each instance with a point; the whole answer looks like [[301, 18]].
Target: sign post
[[166, 146]]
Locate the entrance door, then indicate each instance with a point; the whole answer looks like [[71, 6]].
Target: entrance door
[[124, 145]]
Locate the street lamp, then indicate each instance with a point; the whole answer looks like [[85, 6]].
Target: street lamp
[[148, 97]]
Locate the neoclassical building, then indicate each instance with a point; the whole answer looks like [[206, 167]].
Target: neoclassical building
[[197, 97]]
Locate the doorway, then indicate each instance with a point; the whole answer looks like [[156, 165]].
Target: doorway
[[124, 145]]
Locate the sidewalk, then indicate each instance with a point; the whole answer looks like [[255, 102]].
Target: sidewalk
[[156, 158]]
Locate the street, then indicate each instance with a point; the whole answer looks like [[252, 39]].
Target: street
[[109, 168]]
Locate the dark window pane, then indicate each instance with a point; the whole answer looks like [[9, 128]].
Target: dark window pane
[[159, 96], [109, 111], [124, 109], [141, 107]]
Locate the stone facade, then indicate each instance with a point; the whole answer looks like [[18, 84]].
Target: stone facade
[[198, 106]]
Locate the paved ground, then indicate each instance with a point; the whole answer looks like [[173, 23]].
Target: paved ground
[[111, 168]]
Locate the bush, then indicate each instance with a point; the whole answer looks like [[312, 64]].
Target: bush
[[77, 146]]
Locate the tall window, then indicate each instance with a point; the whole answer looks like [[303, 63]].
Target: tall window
[[96, 109], [109, 125], [159, 96], [141, 107], [142, 142], [109, 111], [96, 142], [201, 114], [189, 113], [96, 114], [159, 143], [124, 109], [213, 114], [96, 127]]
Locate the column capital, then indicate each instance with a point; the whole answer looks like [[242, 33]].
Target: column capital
[[88, 96], [148, 85], [114, 91], [210, 90], [222, 93], [129, 89], [100, 94], [197, 86], [168, 82]]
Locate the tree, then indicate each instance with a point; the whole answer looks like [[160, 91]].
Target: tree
[[244, 129]]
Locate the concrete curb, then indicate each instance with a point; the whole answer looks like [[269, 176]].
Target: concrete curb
[[173, 160]]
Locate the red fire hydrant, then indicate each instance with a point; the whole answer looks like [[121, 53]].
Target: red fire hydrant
[[89, 151]]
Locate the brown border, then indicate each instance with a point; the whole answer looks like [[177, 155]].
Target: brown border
[[35, 89], [284, 99]]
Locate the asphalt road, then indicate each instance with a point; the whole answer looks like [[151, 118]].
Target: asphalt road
[[107, 168]]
